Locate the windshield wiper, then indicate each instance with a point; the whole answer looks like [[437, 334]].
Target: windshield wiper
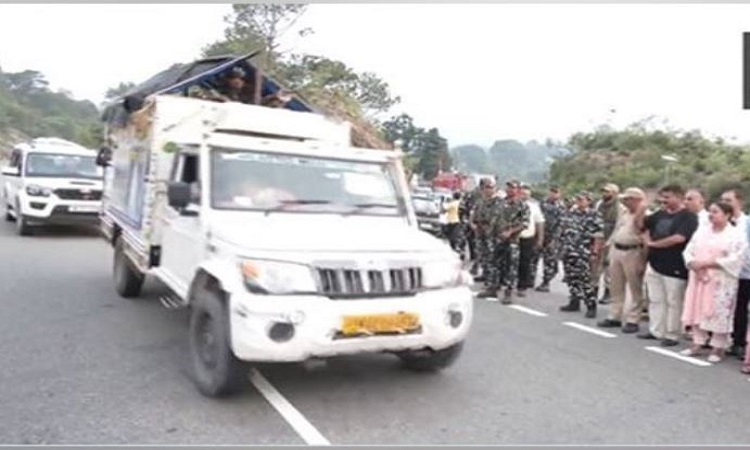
[[362, 206], [284, 203]]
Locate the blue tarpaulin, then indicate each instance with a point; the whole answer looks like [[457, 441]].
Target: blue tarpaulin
[[205, 72]]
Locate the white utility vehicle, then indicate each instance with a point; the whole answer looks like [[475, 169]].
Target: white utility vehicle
[[51, 181], [285, 242]]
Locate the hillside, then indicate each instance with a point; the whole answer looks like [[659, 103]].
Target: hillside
[[633, 157], [508, 158], [28, 108]]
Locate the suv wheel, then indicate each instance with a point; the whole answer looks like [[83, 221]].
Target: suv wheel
[[216, 370]]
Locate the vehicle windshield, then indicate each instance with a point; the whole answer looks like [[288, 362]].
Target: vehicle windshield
[[424, 204], [247, 180], [62, 166]]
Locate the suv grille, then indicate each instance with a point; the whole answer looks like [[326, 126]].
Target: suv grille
[[340, 283], [78, 194]]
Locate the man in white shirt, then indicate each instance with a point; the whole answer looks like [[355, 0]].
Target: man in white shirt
[[733, 197], [531, 240], [695, 202]]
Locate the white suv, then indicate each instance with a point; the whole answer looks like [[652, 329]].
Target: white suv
[[51, 181]]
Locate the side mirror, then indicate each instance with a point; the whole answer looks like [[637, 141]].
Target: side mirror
[[11, 171], [178, 194], [104, 157]]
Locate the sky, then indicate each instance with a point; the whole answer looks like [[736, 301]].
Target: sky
[[477, 72]]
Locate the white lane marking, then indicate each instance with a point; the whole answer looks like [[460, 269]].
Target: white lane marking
[[301, 425], [491, 299], [533, 312], [688, 359], [590, 330]]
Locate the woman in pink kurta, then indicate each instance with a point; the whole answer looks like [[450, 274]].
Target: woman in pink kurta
[[714, 257]]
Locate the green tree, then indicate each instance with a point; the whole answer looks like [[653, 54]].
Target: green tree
[[29, 109], [633, 157], [472, 158], [325, 82], [117, 91], [258, 27], [427, 149], [433, 154]]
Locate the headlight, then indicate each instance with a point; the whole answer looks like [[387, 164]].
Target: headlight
[[38, 191], [272, 277], [440, 274]]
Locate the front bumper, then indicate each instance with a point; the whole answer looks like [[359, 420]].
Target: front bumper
[[429, 225], [317, 323], [51, 210]]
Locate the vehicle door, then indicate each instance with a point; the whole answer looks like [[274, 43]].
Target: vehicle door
[[183, 245]]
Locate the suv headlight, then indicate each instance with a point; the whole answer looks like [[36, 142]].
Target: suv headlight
[[441, 274], [274, 277], [38, 191]]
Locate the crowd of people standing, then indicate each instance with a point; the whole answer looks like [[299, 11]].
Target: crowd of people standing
[[685, 264]]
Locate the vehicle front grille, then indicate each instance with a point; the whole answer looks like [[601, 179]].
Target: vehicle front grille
[[78, 194], [345, 283]]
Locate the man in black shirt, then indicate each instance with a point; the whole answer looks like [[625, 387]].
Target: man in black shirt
[[667, 234]]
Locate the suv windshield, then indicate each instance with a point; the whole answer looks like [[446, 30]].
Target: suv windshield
[[247, 180], [62, 166]]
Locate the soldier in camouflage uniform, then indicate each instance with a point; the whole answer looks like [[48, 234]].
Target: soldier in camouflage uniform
[[465, 208], [230, 89], [582, 242], [565, 223], [510, 217], [554, 211], [481, 221]]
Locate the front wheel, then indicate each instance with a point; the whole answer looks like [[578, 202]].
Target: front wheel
[[431, 360], [216, 370], [22, 225]]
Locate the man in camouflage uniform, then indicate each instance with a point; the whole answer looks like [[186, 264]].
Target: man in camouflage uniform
[[464, 210], [554, 211], [481, 222], [582, 242], [510, 217], [610, 209], [565, 223], [230, 88]]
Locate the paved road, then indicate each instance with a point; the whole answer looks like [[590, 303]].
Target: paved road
[[82, 366]]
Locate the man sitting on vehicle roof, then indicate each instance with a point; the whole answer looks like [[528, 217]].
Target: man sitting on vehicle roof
[[231, 88]]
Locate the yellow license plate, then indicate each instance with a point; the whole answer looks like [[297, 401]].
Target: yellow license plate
[[379, 324]]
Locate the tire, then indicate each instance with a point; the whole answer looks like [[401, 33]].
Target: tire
[[22, 225], [128, 280], [430, 360], [216, 370]]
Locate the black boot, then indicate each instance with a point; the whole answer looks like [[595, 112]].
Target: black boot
[[591, 311], [572, 306]]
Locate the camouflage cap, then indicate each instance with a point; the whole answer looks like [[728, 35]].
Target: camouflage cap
[[585, 194], [513, 183]]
